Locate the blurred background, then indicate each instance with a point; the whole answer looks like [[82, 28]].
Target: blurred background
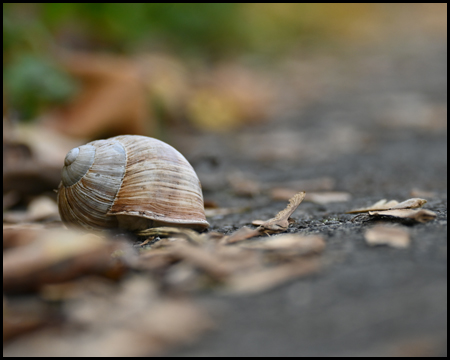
[[349, 99], [79, 72]]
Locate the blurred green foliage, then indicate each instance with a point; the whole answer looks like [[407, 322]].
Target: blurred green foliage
[[33, 33]]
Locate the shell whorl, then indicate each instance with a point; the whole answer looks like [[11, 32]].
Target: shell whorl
[[91, 178], [77, 163], [108, 182]]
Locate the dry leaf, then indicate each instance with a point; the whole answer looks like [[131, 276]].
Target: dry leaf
[[388, 235], [20, 317], [327, 197], [243, 185], [225, 211], [20, 234], [264, 279], [228, 97], [132, 320], [393, 204], [41, 208], [422, 193], [240, 235], [420, 215], [296, 243], [202, 259], [280, 222], [60, 255], [113, 99]]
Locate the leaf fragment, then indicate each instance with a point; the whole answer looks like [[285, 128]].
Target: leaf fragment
[[388, 205], [280, 222], [397, 237], [264, 279], [242, 234], [288, 242], [420, 215]]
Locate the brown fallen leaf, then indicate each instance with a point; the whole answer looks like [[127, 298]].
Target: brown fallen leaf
[[420, 215], [397, 237], [327, 197], [280, 222], [20, 234], [295, 243], [422, 193], [60, 255], [41, 208], [113, 98], [240, 235], [227, 97], [130, 320], [155, 259], [393, 204], [264, 279], [243, 185], [202, 259], [225, 211], [20, 317]]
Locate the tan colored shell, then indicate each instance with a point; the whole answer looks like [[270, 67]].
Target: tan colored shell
[[130, 181]]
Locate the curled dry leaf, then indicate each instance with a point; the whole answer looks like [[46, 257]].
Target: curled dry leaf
[[280, 222], [388, 235], [420, 215], [393, 204]]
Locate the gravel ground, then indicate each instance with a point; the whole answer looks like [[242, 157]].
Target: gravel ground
[[378, 130]]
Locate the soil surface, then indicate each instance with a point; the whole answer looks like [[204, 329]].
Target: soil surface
[[377, 128]]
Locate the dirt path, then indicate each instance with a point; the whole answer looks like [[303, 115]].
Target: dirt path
[[378, 130]]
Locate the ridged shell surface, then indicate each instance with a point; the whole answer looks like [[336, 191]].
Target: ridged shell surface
[[87, 191], [129, 176], [159, 184]]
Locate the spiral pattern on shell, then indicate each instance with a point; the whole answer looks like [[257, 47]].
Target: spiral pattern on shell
[[129, 181]]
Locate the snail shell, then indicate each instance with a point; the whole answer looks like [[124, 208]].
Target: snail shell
[[132, 182]]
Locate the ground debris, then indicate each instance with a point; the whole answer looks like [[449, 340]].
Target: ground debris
[[132, 320], [397, 237], [407, 209], [59, 255], [266, 278], [291, 243], [41, 208], [389, 205], [243, 233], [280, 222], [420, 215]]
